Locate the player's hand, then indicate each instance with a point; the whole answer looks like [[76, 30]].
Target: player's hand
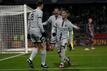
[[92, 34], [49, 47], [68, 41], [44, 34], [54, 34], [78, 28], [70, 48]]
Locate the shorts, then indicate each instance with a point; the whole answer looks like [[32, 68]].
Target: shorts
[[89, 35], [36, 37], [61, 44]]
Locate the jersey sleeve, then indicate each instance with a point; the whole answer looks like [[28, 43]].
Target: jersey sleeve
[[71, 26], [54, 29], [29, 22], [48, 21], [39, 21]]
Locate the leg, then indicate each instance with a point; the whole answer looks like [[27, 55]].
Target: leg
[[34, 39], [42, 47], [92, 44], [63, 54], [87, 42], [62, 57], [33, 54]]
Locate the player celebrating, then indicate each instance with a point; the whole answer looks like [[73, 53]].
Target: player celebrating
[[50, 22], [90, 33], [61, 28], [36, 32]]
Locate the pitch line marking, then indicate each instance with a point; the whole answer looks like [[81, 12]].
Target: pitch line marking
[[80, 55], [11, 57], [55, 68]]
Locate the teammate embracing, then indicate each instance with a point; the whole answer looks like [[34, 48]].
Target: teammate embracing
[[37, 34], [60, 30]]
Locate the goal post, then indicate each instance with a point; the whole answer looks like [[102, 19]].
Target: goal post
[[25, 24], [13, 28]]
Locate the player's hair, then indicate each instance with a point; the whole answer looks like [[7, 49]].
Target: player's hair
[[56, 8], [90, 17], [39, 2], [63, 9]]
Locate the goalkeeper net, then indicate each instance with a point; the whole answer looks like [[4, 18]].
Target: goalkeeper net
[[13, 28]]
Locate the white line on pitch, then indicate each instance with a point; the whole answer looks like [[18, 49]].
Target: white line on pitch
[[55, 68], [79, 55], [11, 57]]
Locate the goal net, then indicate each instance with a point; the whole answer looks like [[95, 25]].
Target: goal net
[[13, 28]]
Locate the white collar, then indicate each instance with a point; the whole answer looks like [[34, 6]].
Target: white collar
[[38, 8]]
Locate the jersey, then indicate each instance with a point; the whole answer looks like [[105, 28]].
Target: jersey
[[90, 30], [52, 20], [61, 28], [35, 21], [49, 23], [35, 26]]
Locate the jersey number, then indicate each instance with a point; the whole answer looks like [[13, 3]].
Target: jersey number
[[32, 16]]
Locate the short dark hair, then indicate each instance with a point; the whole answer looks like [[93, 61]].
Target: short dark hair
[[63, 9], [56, 8], [39, 2]]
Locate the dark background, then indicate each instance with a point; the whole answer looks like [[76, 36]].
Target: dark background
[[79, 9]]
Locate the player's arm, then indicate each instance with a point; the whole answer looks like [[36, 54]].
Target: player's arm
[[48, 21], [40, 24], [74, 26], [54, 29], [29, 22], [91, 30]]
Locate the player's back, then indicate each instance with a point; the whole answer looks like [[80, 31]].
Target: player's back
[[34, 18], [34, 22]]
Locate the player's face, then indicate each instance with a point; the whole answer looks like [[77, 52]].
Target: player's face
[[90, 20], [42, 6], [56, 12], [64, 14]]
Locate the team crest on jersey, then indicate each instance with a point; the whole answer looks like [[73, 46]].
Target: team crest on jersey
[[65, 25]]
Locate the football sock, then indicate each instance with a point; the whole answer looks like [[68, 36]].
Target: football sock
[[62, 55], [43, 56], [33, 54]]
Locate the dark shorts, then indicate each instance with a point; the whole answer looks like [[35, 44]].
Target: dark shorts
[[89, 35], [28, 36]]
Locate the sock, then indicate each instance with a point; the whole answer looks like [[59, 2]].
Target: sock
[[62, 55], [33, 54], [43, 56]]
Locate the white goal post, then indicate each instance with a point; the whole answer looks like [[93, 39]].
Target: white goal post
[[13, 28]]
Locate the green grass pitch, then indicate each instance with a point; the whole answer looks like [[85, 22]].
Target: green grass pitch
[[94, 60]]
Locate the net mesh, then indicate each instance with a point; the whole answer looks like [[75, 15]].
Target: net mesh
[[12, 30]]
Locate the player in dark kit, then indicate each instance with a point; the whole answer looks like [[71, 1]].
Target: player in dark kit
[[90, 34]]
